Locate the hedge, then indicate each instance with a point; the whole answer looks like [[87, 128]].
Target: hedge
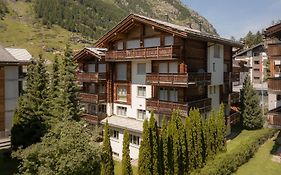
[[229, 162]]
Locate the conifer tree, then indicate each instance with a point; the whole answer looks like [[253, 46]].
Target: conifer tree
[[154, 145], [68, 102], [170, 135], [165, 148], [221, 129], [189, 154], [252, 117], [145, 157], [107, 164], [126, 160], [32, 111]]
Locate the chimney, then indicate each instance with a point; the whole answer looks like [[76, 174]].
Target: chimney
[[167, 18], [200, 26]]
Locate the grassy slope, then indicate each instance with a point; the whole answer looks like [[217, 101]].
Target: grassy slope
[[261, 163], [118, 168], [20, 29]]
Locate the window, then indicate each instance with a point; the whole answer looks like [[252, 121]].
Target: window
[[121, 111], [214, 67], [133, 44], [210, 89], [92, 109], [114, 134], [278, 97], [135, 140], [141, 69], [102, 68], [120, 45], [169, 40], [151, 42], [163, 95], [102, 88], [173, 67], [214, 89], [163, 67], [121, 69], [92, 88], [256, 62], [217, 53], [256, 69], [173, 95], [256, 54], [91, 68], [122, 93], [102, 108], [141, 91], [256, 78], [141, 114]]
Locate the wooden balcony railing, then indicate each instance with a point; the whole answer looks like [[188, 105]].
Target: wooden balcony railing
[[274, 50], [92, 98], [94, 118], [180, 80], [143, 53], [166, 108], [274, 84], [91, 77]]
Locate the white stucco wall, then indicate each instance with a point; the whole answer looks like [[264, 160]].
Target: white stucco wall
[[215, 96], [11, 94], [272, 101]]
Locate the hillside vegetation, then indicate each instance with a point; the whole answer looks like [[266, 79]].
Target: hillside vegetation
[[94, 17]]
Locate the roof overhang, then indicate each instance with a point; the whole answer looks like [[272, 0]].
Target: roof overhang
[[273, 31], [86, 53], [181, 31]]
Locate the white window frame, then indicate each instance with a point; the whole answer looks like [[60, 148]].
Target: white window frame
[[134, 140], [141, 114], [122, 93], [114, 134], [141, 91], [121, 111]]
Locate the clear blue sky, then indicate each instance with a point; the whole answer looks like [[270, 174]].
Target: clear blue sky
[[237, 17]]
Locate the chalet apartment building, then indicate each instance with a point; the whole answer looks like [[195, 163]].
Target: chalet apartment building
[[151, 65], [273, 40], [252, 62], [13, 63]]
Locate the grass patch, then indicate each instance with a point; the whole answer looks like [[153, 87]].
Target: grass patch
[[8, 166], [261, 163], [118, 168]]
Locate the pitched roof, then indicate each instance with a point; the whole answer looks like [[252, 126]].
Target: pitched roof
[[274, 30], [182, 31], [22, 55], [94, 51], [6, 57], [246, 50]]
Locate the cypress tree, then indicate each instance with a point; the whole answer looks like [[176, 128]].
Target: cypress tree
[[221, 131], [166, 155], [32, 111], [252, 117], [170, 135], [189, 154], [154, 145], [126, 159], [107, 164], [145, 157]]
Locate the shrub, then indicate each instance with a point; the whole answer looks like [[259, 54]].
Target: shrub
[[230, 161]]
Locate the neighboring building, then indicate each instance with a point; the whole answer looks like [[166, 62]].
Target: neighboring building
[[252, 62], [13, 64], [273, 40], [157, 66], [92, 77]]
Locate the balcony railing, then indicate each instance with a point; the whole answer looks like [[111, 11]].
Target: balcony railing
[[185, 80], [274, 50], [166, 108], [91, 77], [274, 84], [274, 117], [94, 118], [92, 98], [143, 53]]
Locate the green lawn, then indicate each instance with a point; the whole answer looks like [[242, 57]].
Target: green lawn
[[261, 163], [118, 168], [7, 166]]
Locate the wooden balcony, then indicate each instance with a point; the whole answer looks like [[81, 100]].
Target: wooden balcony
[[179, 80], [234, 76], [166, 108], [274, 118], [91, 77], [92, 98], [94, 118], [274, 51], [166, 53], [274, 85]]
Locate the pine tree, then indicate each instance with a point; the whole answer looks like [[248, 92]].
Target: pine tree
[[126, 160], [252, 117], [32, 111], [145, 157], [107, 164], [154, 145], [69, 107]]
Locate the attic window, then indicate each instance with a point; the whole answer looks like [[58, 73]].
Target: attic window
[[120, 45], [169, 40]]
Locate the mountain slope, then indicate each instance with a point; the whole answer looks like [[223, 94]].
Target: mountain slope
[[95, 17]]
